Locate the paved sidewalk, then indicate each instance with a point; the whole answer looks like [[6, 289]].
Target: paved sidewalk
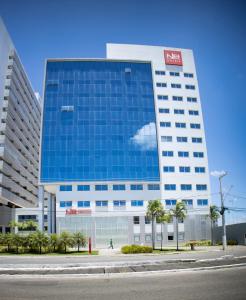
[[112, 262]]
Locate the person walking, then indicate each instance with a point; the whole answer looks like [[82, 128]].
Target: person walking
[[111, 244]]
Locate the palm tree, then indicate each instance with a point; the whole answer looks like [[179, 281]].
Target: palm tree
[[79, 239], [13, 225], [16, 241], [66, 240], [214, 216], [154, 209], [163, 218], [8, 240], [30, 225], [53, 241], [179, 212], [38, 240]]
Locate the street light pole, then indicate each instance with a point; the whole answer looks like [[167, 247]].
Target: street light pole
[[222, 212]]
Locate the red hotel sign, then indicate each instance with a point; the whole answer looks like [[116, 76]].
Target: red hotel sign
[[173, 57], [72, 211]]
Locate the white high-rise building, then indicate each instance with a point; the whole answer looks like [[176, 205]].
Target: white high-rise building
[[20, 113], [182, 148]]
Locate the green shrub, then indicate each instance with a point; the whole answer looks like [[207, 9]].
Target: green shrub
[[131, 249], [198, 243], [232, 242]]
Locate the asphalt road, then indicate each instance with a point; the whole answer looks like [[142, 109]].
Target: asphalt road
[[18, 261], [223, 284]]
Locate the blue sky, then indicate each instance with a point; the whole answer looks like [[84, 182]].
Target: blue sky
[[215, 30]]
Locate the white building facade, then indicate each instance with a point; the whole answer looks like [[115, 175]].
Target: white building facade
[[20, 113]]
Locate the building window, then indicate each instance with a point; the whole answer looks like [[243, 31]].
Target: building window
[[190, 87], [119, 203], [170, 237], [137, 203], [183, 154], [180, 125], [201, 187], [83, 188], [147, 237], [170, 187], [202, 202], [119, 187], [177, 98], [23, 218], [161, 84], [182, 139], [196, 140], [165, 124], [188, 202], [136, 187], [65, 188], [101, 187], [170, 202], [199, 169], [164, 110], [65, 203], [179, 111], [198, 154], [195, 126], [162, 97], [136, 238], [102, 203], [84, 204], [166, 138], [157, 72], [192, 99], [168, 169], [167, 153], [184, 169], [186, 187], [147, 220], [153, 187], [176, 74], [175, 85], [136, 220], [193, 112], [188, 75]]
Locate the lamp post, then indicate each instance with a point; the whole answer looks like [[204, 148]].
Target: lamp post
[[222, 212], [220, 175]]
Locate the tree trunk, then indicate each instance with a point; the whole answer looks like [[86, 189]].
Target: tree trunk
[[161, 235], [40, 249], [65, 248], [212, 233], [153, 232], [177, 234], [78, 247]]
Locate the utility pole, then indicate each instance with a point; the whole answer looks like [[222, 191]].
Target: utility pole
[[222, 212]]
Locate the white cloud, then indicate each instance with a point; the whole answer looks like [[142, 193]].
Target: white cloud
[[217, 173], [145, 137]]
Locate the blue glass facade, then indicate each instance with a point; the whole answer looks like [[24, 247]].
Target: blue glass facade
[[99, 122]]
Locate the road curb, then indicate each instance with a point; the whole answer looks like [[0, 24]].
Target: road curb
[[140, 267]]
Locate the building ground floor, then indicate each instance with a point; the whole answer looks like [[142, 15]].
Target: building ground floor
[[121, 228]]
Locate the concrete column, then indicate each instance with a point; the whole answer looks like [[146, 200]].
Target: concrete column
[[53, 226], [49, 213], [41, 207]]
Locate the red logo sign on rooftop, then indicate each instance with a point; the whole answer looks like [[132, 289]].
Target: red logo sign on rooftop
[[173, 57]]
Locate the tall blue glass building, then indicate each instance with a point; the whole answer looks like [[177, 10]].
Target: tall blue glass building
[[99, 122]]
